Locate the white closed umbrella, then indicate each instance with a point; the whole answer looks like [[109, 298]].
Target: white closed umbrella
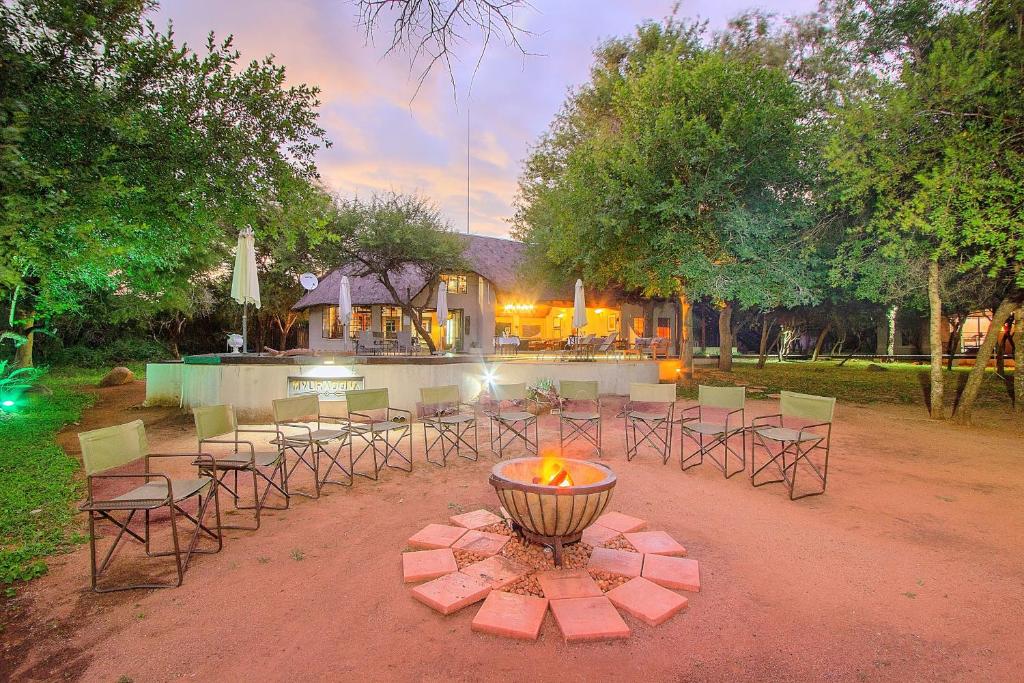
[[579, 307], [345, 308], [245, 285], [442, 310]]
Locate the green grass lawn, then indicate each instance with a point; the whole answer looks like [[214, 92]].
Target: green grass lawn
[[39, 482], [854, 382]]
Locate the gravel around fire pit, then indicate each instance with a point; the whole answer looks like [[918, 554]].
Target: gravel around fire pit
[[464, 558], [620, 543]]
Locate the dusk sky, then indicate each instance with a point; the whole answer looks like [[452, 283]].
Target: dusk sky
[[386, 140]]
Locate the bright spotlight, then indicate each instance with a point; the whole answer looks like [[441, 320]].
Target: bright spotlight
[[7, 404]]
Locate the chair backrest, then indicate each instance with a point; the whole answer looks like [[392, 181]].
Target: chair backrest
[[367, 399], [806, 406], [578, 390], [214, 421], [404, 338], [660, 341], [365, 338], [510, 392], [652, 393], [296, 408], [730, 398], [448, 394], [103, 449], [608, 342]]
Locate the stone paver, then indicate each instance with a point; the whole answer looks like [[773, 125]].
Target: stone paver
[[436, 536], [475, 520], [451, 592], [672, 572], [421, 565], [617, 562], [481, 542], [596, 535], [588, 619], [511, 615], [655, 543], [566, 583], [497, 571], [621, 523], [647, 601]]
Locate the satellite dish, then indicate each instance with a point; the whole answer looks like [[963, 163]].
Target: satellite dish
[[308, 281]]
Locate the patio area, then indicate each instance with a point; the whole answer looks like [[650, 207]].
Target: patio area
[[890, 576]]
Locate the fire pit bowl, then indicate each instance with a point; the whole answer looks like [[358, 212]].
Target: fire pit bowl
[[552, 500]]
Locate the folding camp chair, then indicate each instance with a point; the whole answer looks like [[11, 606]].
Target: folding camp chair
[[375, 432], [512, 421], [580, 413], [307, 444], [651, 408], [799, 441], [111, 447], [442, 413], [708, 432], [218, 425]]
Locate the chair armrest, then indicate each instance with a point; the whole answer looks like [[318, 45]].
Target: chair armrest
[[809, 427], [756, 422], [399, 410], [93, 504], [208, 457], [235, 443]]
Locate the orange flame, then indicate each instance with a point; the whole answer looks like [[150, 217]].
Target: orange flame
[[552, 472]]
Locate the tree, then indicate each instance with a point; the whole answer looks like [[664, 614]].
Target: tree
[[130, 162], [661, 174], [386, 237]]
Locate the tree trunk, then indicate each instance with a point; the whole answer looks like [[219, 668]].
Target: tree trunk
[[725, 337], [1018, 360], [23, 353], [880, 340], [890, 343], [956, 336], [762, 349], [820, 341], [937, 409], [965, 405], [686, 335]]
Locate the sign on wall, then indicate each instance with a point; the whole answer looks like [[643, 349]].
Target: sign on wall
[[327, 388]]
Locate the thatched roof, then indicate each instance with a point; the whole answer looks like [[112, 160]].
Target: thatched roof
[[498, 260]]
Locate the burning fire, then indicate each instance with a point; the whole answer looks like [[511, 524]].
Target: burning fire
[[552, 472]]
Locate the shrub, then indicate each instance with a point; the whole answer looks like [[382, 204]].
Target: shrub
[[115, 352]]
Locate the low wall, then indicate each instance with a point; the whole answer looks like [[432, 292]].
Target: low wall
[[250, 388]]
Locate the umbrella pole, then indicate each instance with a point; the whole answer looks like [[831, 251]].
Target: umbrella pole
[[245, 328]]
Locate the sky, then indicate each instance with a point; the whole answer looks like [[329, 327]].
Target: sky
[[386, 136]]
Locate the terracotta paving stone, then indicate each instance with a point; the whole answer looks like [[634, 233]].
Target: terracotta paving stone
[[655, 543], [421, 565], [451, 592], [482, 542], [620, 522], [436, 536], [596, 535], [618, 562], [647, 601], [672, 572], [561, 584], [588, 619], [475, 520], [497, 571], [511, 615]]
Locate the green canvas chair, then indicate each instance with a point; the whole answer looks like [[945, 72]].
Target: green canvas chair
[[580, 414], [449, 421], [788, 446], [305, 437], [218, 425], [372, 420], [112, 447], [649, 416], [715, 421], [509, 422]]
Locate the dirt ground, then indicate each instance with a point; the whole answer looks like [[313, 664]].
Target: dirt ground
[[909, 568]]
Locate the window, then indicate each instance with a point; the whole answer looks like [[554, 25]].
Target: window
[[639, 326], [391, 320], [332, 328], [456, 283], [665, 327]]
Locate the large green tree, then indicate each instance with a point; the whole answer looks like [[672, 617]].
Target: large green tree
[[129, 161], [676, 172]]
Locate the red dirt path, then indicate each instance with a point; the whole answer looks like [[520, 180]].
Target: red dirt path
[[909, 568]]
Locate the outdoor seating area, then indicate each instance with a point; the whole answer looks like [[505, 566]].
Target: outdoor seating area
[[307, 449]]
